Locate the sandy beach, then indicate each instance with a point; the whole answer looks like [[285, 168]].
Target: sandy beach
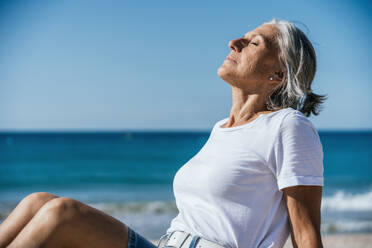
[[337, 241], [343, 241]]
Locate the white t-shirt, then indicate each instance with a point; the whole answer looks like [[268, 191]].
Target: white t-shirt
[[230, 191]]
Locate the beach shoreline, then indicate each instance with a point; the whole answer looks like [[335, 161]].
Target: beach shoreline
[[363, 240]]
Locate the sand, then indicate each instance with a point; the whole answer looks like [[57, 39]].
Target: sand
[[337, 241], [343, 241]]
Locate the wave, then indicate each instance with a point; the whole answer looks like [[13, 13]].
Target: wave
[[151, 219], [152, 207], [342, 201], [338, 202], [347, 227]]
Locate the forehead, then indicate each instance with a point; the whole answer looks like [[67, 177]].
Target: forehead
[[267, 31]]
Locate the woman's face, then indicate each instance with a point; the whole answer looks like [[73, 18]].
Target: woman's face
[[253, 59]]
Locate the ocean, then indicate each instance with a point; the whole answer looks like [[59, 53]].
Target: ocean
[[129, 174]]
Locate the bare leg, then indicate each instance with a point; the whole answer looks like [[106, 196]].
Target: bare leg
[[65, 222], [21, 215]]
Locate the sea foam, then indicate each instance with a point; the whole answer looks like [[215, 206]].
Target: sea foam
[[341, 201]]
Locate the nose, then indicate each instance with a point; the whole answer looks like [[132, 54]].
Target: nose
[[237, 45]]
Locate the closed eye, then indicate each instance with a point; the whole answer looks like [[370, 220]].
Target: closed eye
[[246, 41]]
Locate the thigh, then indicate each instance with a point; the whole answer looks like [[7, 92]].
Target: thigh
[[80, 225]]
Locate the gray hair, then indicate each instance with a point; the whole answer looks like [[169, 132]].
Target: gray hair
[[297, 56]]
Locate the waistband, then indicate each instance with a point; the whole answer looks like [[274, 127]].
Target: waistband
[[181, 239]]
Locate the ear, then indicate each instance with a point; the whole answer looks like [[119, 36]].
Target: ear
[[278, 76]]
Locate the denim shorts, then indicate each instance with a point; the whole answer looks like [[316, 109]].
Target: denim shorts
[[138, 241]]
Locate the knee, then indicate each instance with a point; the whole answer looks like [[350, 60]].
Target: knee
[[37, 199], [61, 209]]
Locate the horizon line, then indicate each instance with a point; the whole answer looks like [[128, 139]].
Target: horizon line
[[19, 131]]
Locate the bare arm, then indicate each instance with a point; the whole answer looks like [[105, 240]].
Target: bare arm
[[304, 211]]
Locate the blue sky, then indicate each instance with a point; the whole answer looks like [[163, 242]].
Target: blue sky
[[152, 65]]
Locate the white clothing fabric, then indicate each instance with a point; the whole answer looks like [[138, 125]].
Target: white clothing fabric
[[230, 191]]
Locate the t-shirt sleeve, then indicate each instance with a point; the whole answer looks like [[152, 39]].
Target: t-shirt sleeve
[[298, 153]]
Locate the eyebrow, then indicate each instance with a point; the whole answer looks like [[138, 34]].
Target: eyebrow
[[254, 35]]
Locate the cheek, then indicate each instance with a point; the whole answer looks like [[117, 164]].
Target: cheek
[[267, 66], [257, 64], [267, 62], [248, 65]]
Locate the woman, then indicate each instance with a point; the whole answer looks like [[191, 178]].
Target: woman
[[258, 178]]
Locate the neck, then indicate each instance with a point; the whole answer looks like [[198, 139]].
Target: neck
[[246, 106]]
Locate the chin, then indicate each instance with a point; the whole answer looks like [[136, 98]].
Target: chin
[[224, 73], [220, 71], [228, 76]]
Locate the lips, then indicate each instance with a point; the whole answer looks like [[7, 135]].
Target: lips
[[231, 59]]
